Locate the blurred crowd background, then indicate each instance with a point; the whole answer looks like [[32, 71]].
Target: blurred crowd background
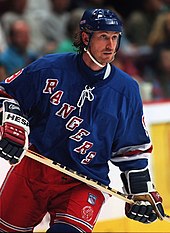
[[30, 29]]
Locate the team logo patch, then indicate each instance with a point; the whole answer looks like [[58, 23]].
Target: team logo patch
[[92, 199], [87, 213]]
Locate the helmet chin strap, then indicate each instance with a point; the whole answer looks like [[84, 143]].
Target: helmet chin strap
[[94, 60]]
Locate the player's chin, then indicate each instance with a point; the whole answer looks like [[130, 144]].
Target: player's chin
[[107, 58]]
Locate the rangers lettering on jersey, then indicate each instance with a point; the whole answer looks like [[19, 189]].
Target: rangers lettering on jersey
[[73, 123]]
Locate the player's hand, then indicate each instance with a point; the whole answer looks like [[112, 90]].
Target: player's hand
[[147, 208], [148, 203], [13, 133]]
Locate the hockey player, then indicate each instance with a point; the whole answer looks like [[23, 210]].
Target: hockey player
[[77, 109]]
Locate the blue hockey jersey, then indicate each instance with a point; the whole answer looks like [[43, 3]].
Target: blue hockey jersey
[[82, 118]]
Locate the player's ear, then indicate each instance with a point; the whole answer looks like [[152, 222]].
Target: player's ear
[[85, 38]]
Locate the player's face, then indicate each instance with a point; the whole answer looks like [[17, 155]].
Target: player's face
[[103, 45]]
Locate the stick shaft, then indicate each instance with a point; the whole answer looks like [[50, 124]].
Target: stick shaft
[[77, 176], [82, 178]]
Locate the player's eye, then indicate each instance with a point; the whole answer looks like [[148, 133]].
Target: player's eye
[[115, 37], [104, 36]]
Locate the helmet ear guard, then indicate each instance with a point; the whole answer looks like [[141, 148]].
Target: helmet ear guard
[[118, 43]]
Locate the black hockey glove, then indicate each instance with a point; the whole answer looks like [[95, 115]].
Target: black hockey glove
[[148, 203], [14, 132]]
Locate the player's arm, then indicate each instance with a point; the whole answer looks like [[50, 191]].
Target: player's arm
[[131, 155], [14, 129], [148, 206]]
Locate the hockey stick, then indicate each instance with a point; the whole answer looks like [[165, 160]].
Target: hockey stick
[[82, 178]]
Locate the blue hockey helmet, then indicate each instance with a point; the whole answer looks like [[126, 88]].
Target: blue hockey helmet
[[100, 20]]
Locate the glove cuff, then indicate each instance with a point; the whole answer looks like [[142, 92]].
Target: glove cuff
[[13, 114], [137, 182]]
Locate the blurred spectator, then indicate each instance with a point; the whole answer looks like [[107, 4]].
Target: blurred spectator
[[17, 55], [140, 22], [160, 73], [19, 10], [157, 70], [127, 63], [55, 23], [160, 33], [72, 26], [38, 6], [2, 39], [16, 11], [138, 26], [3, 73]]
